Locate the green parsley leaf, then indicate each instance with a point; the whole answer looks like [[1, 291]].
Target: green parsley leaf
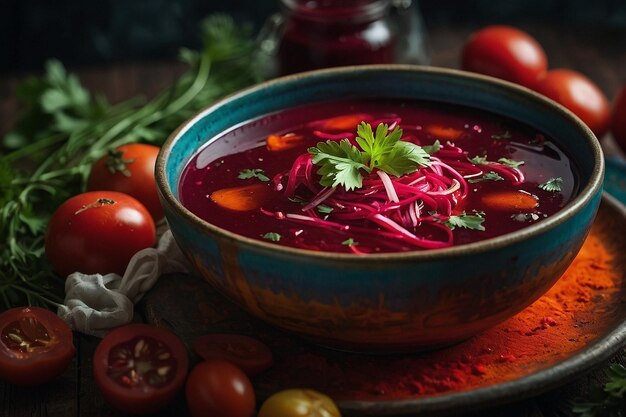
[[552, 185], [479, 160], [467, 221], [322, 208], [505, 135], [253, 173], [434, 148], [349, 242], [273, 236], [510, 162], [490, 176], [340, 164]]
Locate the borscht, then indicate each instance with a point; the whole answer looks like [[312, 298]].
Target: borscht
[[378, 175]]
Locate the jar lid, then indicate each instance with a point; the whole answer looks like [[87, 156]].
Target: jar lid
[[332, 11]]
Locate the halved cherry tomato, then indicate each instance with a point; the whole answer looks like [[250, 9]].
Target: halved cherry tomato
[[618, 121], [129, 169], [97, 232], [249, 354], [279, 143], [245, 198], [219, 389], [299, 403], [139, 368], [580, 95], [35, 345], [507, 53]]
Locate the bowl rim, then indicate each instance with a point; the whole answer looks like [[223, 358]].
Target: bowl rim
[[585, 195]]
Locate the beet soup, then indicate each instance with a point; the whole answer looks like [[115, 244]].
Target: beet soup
[[376, 176]]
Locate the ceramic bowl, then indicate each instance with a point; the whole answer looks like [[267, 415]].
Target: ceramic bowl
[[385, 302]]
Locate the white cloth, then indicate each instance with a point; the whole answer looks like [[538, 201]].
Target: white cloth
[[96, 303]]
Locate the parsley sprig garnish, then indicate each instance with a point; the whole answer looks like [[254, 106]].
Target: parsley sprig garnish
[[253, 173], [342, 164], [553, 185], [467, 221]]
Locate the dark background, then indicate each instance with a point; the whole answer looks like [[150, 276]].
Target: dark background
[[83, 32]]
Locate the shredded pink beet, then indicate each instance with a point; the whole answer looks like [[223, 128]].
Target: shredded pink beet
[[408, 210]]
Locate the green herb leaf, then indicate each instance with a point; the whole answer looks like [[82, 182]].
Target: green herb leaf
[[510, 162], [340, 164], [253, 173], [479, 160], [608, 400], [489, 176], [273, 236], [324, 209], [432, 149], [553, 185], [505, 135], [349, 242], [467, 221]]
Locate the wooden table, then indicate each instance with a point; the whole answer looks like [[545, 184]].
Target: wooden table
[[598, 52]]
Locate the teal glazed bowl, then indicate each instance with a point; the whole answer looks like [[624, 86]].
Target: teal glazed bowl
[[385, 302]]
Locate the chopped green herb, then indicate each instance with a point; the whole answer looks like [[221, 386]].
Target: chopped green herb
[[505, 135], [510, 162], [553, 185], [253, 173], [490, 176], [341, 163], [467, 221], [322, 208], [608, 400], [349, 242], [434, 148], [273, 236], [479, 160]]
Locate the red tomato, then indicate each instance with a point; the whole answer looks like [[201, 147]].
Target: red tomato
[[251, 355], [618, 121], [35, 345], [299, 403], [97, 232], [129, 169], [580, 95], [507, 53], [219, 389], [139, 368]]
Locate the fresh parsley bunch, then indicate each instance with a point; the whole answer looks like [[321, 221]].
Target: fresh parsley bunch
[[606, 401], [64, 129]]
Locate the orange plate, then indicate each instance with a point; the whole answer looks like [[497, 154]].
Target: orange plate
[[579, 323]]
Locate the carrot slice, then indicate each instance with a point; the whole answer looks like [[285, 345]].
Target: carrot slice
[[510, 201], [348, 122], [444, 132], [246, 198], [283, 142]]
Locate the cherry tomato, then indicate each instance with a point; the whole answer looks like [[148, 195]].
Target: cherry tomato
[[580, 95], [218, 388], [618, 121], [97, 232], [35, 346], [129, 169], [251, 355], [299, 403], [139, 368], [507, 53]]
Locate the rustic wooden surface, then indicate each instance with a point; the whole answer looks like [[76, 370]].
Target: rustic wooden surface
[[598, 52]]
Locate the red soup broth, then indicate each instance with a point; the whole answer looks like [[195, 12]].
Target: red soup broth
[[240, 181]]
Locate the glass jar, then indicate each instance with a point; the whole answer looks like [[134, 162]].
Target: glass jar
[[311, 34]]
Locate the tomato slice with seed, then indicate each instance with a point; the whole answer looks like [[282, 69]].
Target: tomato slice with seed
[[139, 368], [35, 345], [249, 354]]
